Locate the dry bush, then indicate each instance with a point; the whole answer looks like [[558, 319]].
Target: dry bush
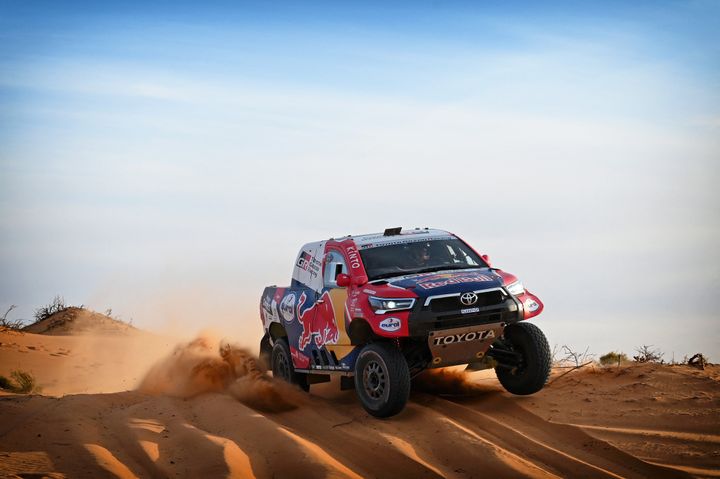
[[11, 323], [613, 358], [21, 382], [648, 354], [575, 357], [554, 353], [57, 305], [5, 384], [697, 361]]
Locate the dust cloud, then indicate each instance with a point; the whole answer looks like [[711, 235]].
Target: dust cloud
[[206, 365], [451, 382]]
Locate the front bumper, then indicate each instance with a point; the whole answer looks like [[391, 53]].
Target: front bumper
[[442, 313]]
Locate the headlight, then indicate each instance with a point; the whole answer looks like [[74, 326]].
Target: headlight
[[384, 305], [516, 288]]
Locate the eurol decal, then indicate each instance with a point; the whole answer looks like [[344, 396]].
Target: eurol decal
[[390, 324]]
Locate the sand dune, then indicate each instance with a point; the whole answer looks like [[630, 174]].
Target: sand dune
[[636, 421]]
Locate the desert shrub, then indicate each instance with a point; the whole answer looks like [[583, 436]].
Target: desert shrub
[[576, 357], [648, 354], [613, 358], [24, 382], [5, 384], [21, 382], [57, 305], [698, 361], [10, 323]]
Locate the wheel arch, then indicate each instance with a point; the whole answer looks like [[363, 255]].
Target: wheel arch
[[276, 330], [360, 332]]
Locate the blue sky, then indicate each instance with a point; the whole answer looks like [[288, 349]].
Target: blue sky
[[167, 160]]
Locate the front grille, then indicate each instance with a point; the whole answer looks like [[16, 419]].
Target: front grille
[[458, 320], [452, 303]]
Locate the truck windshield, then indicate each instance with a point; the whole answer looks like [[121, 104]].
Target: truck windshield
[[418, 257]]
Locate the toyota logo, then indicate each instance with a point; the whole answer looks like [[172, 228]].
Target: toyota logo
[[468, 299]]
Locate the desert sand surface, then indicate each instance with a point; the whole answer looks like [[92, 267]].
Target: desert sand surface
[[126, 405]]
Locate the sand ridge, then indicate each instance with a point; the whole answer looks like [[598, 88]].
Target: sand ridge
[[634, 421]]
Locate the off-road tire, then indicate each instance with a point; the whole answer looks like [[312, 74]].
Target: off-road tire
[[382, 379], [530, 376], [282, 366]]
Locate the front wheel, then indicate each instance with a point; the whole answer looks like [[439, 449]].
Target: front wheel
[[282, 366], [382, 379], [530, 375]]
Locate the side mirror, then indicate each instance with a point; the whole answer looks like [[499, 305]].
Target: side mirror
[[486, 258], [342, 280], [360, 280]]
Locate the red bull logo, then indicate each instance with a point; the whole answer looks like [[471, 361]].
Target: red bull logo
[[449, 278], [318, 320]]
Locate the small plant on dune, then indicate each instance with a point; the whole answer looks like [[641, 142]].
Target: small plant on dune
[[576, 357], [57, 305], [5, 384], [648, 354], [21, 382], [613, 358], [10, 323], [697, 361], [554, 360], [25, 382]]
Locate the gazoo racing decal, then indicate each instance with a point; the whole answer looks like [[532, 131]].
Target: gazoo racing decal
[[443, 280], [463, 337], [309, 263], [287, 307], [390, 324]]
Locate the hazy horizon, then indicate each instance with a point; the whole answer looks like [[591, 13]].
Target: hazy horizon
[[167, 160]]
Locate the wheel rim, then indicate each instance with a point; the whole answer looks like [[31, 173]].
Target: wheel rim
[[282, 366], [374, 379]]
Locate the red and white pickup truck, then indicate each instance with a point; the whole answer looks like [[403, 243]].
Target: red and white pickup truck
[[378, 309]]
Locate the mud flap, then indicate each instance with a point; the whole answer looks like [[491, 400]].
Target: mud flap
[[450, 347]]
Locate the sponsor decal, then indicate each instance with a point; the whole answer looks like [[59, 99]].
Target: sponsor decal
[[317, 321], [390, 324], [446, 279], [470, 310], [354, 257], [531, 305], [287, 307], [341, 367], [266, 303], [270, 311], [309, 263], [403, 241], [298, 358], [464, 337], [409, 237], [369, 291]]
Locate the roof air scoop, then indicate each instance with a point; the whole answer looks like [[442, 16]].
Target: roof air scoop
[[392, 231]]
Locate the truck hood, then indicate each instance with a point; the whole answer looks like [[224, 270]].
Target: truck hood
[[447, 282]]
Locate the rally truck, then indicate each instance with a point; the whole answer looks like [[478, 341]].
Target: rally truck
[[378, 309]]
